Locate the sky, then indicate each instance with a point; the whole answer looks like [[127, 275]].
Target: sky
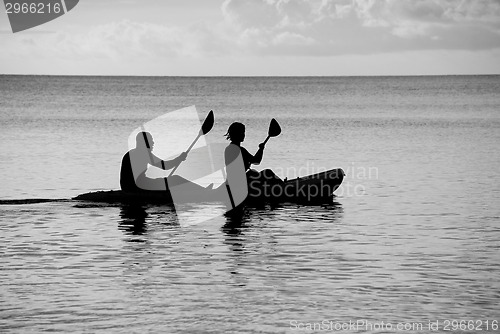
[[260, 38]]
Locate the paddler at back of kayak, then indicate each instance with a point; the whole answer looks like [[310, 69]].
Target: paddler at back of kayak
[[236, 134], [135, 164]]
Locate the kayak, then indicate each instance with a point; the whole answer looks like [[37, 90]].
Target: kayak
[[310, 189]]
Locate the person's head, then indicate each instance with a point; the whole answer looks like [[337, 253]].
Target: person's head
[[144, 140], [236, 132]]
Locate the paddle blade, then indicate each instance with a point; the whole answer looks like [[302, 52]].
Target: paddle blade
[[274, 128], [208, 123]]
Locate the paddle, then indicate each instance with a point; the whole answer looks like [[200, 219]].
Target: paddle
[[205, 128], [274, 130]]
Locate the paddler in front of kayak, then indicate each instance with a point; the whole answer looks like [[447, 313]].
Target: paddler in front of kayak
[[257, 181]]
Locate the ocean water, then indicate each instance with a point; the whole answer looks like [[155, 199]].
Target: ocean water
[[412, 237]]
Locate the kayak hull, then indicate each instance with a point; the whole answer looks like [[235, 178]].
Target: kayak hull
[[309, 189]]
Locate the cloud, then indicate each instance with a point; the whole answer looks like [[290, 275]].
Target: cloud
[[279, 28], [120, 40], [331, 27]]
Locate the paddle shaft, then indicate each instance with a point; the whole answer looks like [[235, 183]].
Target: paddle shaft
[[189, 149]]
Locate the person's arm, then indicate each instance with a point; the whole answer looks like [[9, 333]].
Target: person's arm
[[167, 164], [257, 158], [250, 159]]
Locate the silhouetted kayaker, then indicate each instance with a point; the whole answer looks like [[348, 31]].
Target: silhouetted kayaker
[[236, 134], [135, 164]]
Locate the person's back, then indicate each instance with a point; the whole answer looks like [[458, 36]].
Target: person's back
[[127, 180]]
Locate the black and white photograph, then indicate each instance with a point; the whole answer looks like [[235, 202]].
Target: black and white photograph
[[250, 166]]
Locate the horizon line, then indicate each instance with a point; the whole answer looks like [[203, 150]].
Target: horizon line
[[246, 76]]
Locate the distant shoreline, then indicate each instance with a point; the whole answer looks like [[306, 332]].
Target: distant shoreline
[[248, 76]]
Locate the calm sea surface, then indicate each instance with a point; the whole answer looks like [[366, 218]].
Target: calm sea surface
[[412, 237]]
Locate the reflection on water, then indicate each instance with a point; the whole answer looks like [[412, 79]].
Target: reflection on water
[[133, 219], [236, 221], [237, 217]]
